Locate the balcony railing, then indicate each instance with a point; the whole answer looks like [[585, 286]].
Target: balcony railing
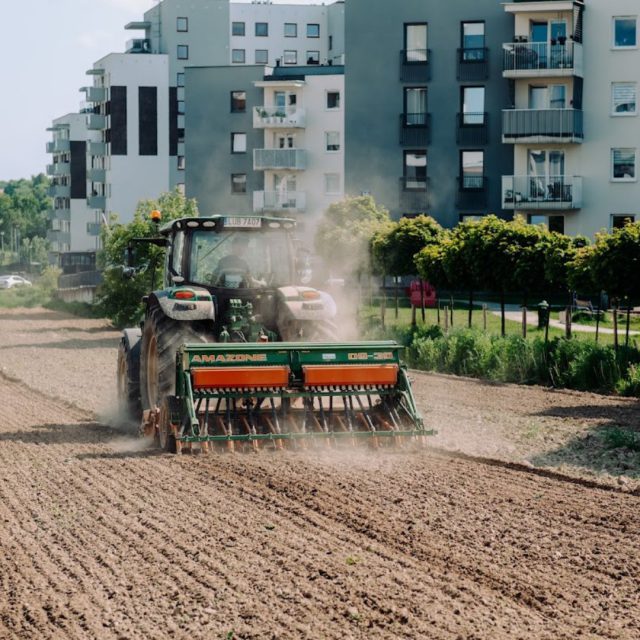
[[97, 202], [279, 117], [415, 128], [59, 169], [472, 192], [524, 59], [472, 128], [277, 201], [97, 175], [95, 94], [96, 121], [542, 125], [96, 148], [59, 191], [415, 65], [473, 64], [541, 192], [279, 159], [414, 195], [58, 146]]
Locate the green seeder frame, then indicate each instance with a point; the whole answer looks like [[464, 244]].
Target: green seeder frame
[[360, 387]]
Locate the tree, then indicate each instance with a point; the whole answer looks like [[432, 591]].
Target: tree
[[344, 235], [119, 298]]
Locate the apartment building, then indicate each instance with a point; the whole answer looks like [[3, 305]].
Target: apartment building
[[424, 95], [266, 140]]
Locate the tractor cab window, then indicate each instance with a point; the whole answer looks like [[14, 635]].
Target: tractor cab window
[[234, 259], [174, 257]]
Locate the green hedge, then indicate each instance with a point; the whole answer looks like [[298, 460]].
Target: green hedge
[[574, 364]]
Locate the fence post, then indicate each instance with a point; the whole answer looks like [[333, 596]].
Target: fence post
[[524, 321], [446, 319], [484, 317]]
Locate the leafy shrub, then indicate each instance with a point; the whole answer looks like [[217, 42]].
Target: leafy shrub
[[618, 438], [630, 385]]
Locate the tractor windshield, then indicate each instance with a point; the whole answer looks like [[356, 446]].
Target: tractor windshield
[[236, 259]]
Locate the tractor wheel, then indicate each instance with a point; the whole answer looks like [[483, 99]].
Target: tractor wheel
[[128, 379], [166, 438], [161, 339], [309, 331]]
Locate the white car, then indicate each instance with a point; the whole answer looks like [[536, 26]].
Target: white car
[[7, 282]]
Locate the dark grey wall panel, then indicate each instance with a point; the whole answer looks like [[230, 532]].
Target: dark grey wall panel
[[173, 121], [148, 121], [78, 163], [118, 121]]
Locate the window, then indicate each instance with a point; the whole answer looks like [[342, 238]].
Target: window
[[180, 79], [332, 140], [556, 223], [181, 163], [623, 98], [238, 143], [290, 57], [415, 42], [624, 32], [415, 106], [262, 29], [619, 220], [472, 105], [180, 134], [472, 41], [238, 101], [623, 164], [237, 56], [415, 170], [313, 31], [180, 188], [472, 169], [182, 24], [313, 57], [290, 30], [237, 28], [330, 43], [332, 183], [238, 183], [333, 99], [262, 56], [180, 107], [183, 52]]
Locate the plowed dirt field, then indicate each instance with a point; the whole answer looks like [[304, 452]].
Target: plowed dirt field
[[102, 538]]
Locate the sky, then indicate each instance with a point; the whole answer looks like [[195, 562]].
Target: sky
[[46, 47]]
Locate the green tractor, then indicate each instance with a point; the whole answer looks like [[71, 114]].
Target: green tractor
[[237, 348]]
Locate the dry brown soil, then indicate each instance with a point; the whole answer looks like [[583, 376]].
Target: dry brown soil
[[535, 536]]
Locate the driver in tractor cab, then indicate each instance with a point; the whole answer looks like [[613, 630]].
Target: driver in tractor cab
[[234, 268]]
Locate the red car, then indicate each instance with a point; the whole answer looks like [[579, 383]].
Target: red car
[[428, 294]]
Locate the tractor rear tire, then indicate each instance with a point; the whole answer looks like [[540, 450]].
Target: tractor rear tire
[[161, 339], [128, 373]]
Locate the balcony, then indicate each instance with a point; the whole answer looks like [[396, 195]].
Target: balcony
[[542, 193], [96, 148], [96, 175], [541, 59], [59, 214], [59, 191], [473, 64], [59, 169], [95, 94], [96, 202], [542, 125], [138, 45], [472, 128], [58, 146], [415, 65], [278, 202], [96, 122], [414, 195], [472, 193], [279, 117], [415, 129], [295, 159]]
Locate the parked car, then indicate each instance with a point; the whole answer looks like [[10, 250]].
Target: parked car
[[7, 282]]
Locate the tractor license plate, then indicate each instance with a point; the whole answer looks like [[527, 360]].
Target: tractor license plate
[[242, 223]]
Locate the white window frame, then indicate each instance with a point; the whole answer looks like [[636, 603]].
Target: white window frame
[[328, 178], [238, 142], [633, 178], [613, 33], [624, 114], [244, 56], [295, 29], [612, 216], [332, 139], [266, 56], [290, 56], [181, 163]]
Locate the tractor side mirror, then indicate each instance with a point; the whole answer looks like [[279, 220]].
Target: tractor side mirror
[[303, 267]]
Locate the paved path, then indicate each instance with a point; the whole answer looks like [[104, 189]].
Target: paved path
[[532, 319]]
